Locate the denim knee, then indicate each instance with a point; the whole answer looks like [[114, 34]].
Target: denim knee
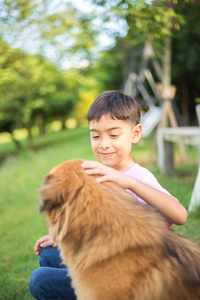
[[44, 257], [51, 283], [35, 284], [50, 257]]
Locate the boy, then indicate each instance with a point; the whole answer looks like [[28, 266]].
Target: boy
[[114, 128]]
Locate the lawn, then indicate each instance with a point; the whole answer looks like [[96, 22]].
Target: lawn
[[21, 224]]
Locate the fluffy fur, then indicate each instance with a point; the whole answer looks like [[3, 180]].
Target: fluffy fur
[[114, 247]]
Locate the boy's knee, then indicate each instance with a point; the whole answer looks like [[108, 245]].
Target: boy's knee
[[40, 284], [44, 257], [50, 257], [34, 283]]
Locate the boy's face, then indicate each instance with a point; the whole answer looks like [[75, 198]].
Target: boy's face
[[112, 141]]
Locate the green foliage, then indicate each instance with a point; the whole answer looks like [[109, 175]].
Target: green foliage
[[32, 91], [152, 22], [186, 58], [45, 27], [85, 86], [147, 21], [20, 223]]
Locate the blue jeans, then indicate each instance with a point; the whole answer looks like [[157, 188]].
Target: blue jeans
[[51, 279]]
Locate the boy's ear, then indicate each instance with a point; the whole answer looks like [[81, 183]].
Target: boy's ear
[[137, 133]]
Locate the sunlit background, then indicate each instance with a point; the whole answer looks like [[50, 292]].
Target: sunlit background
[[57, 56]]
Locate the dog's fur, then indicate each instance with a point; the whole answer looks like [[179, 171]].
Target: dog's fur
[[114, 247]]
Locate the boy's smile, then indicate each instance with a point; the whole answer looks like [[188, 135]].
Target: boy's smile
[[107, 154], [112, 141]]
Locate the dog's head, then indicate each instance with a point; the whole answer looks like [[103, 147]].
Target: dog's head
[[63, 186], [60, 183]]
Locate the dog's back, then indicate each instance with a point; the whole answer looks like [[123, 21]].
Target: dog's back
[[114, 247]]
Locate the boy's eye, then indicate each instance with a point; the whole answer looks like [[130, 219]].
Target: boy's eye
[[95, 137], [114, 135]]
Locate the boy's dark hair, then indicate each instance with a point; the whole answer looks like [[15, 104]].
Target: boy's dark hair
[[117, 105]]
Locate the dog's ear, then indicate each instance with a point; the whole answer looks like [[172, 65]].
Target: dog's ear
[[49, 202], [45, 205], [50, 196]]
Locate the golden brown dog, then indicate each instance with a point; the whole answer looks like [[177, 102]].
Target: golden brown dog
[[114, 247]]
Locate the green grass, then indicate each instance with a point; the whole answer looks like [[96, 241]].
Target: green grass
[[21, 224]]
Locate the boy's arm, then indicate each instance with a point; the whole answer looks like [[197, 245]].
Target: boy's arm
[[166, 204]]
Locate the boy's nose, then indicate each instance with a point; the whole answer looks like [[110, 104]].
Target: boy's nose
[[104, 144]]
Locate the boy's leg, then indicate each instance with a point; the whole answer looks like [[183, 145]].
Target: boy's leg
[[48, 283], [50, 257], [51, 280]]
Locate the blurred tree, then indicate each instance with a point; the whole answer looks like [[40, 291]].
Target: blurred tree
[[115, 64], [111, 66], [186, 60], [31, 92], [103, 74], [55, 29], [154, 22], [8, 116], [84, 87]]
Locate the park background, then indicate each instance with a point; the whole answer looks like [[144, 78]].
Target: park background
[[55, 58]]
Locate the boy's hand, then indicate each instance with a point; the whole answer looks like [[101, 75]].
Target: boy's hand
[[108, 173], [43, 242]]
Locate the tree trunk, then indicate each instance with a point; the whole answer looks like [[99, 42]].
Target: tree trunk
[[168, 93], [17, 143], [30, 137], [166, 78]]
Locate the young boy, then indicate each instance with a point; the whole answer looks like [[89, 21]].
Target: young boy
[[114, 127]]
